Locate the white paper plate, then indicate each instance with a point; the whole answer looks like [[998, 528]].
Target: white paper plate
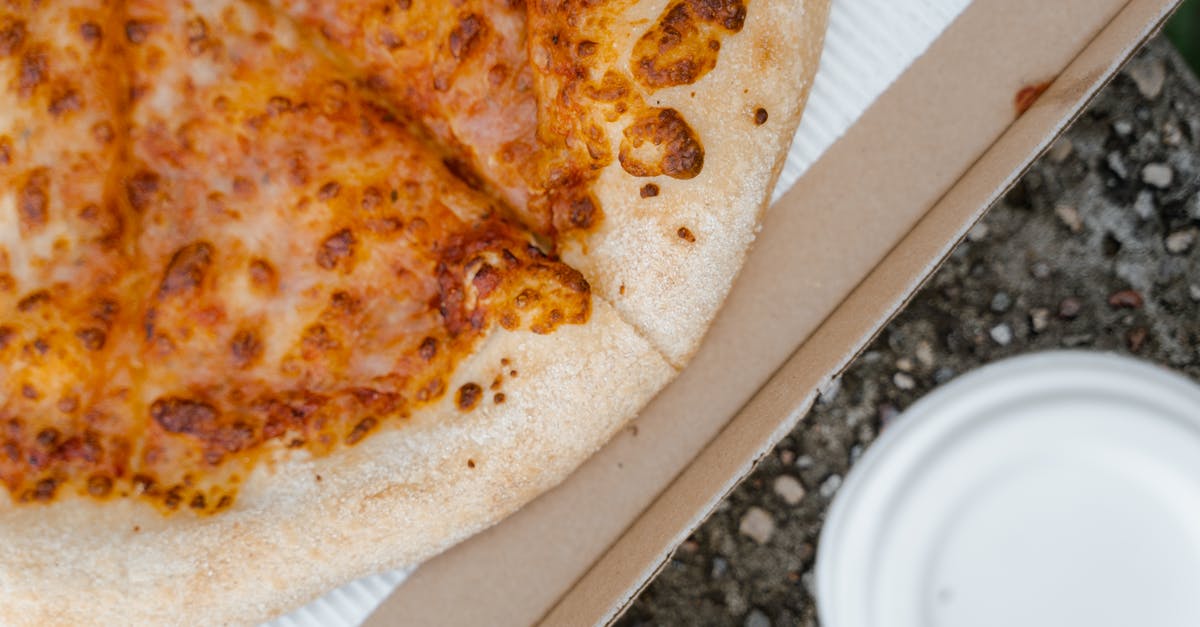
[[1054, 489], [868, 45]]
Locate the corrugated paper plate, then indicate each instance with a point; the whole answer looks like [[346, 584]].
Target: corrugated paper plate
[[1060, 488]]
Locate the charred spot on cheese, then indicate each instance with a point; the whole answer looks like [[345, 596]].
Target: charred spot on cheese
[[428, 349], [329, 190], [760, 116], [464, 35], [99, 486], [468, 396], [361, 429], [685, 234], [661, 142], [343, 303], [140, 188], [317, 339], [5, 150], [245, 348], [197, 35], [186, 269], [91, 32], [12, 35], [180, 415], [262, 274], [337, 249], [33, 200], [33, 300], [574, 208], [65, 102], [92, 338], [682, 45], [137, 32], [32, 72], [649, 190]]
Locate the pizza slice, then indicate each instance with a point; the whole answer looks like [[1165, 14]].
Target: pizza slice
[[643, 136]]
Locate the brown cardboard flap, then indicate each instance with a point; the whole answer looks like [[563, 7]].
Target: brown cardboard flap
[[843, 249]]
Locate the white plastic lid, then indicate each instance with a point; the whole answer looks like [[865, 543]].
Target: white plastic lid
[[1054, 489]]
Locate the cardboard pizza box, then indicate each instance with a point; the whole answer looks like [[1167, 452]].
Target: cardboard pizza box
[[837, 257]]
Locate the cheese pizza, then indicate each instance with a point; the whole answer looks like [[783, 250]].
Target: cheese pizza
[[293, 291]]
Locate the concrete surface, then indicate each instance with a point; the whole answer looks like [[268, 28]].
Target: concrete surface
[[1098, 247]]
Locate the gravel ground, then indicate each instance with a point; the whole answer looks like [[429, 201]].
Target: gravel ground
[[1098, 247]]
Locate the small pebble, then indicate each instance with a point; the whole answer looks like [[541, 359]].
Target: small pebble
[[1001, 302], [1039, 319], [786, 457], [1069, 308], [1194, 291], [1157, 174], [789, 489], [1127, 299], [1081, 339], [1040, 270], [1060, 150], [924, 352], [1144, 205], [904, 381], [1123, 127], [757, 525], [1110, 245], [720, 566], [1116, 163], [1171, 134], [943, 374], [1149, 76], [830, 486], [809, 581], [1135, 338], [904, 364], [1180, 242], [689, 546], [756, 618], [887, 413], [735, 601], [978, 232], [1070, 217], [806, 553], [1001, 334], [856, 452]]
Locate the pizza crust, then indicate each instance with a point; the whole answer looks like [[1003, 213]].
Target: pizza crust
[[395, 499], [668, 287]]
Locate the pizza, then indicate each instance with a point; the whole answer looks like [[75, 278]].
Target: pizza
[[294, 291]]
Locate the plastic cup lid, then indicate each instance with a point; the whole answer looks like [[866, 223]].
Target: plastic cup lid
[[1054, 489]]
